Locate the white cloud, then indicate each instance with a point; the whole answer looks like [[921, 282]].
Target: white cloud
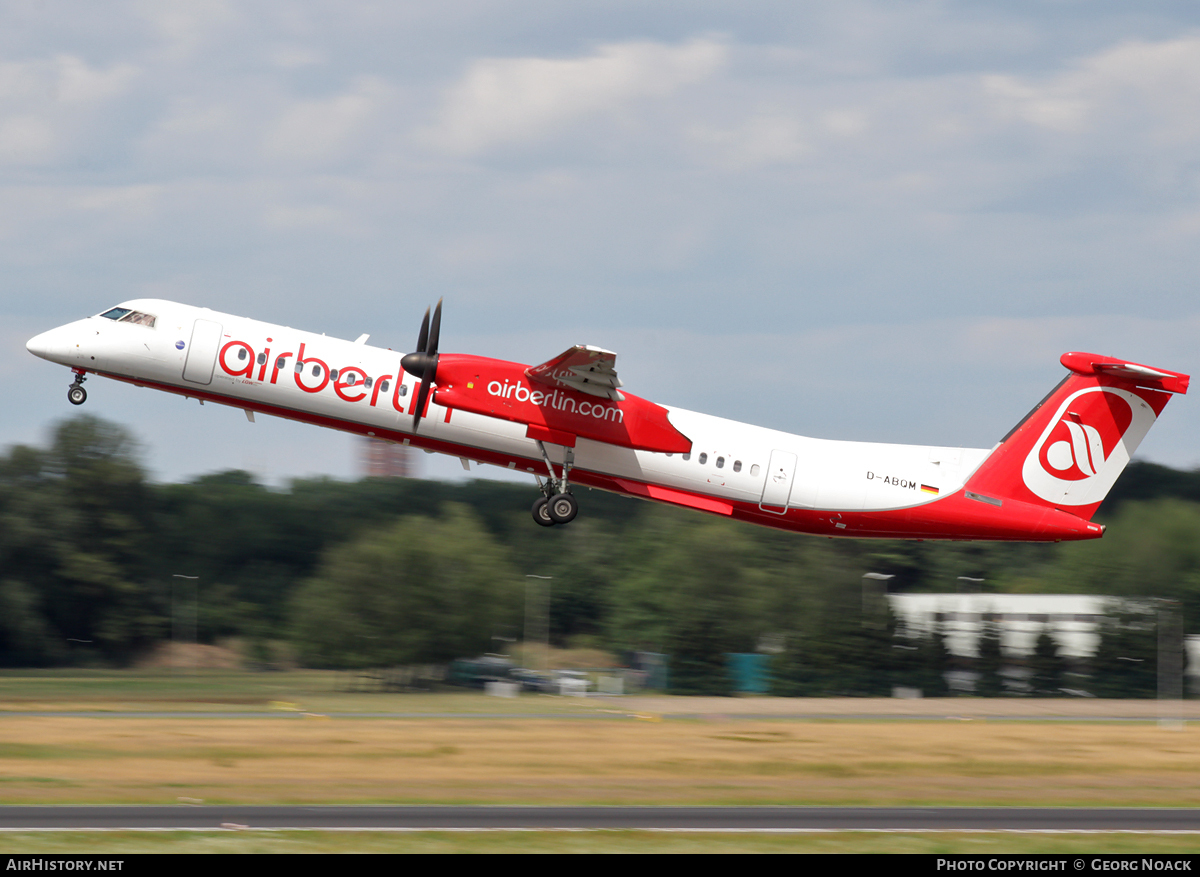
[[49, 107], [1133, 88], [133, 202], [321, 130], [763, 139], [264, 129], [26, 139], [514, 100], [296, 57], [79, 83], [286, 217], [845, 122], [186, 25]]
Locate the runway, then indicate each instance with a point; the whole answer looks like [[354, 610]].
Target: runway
[[492, 818]]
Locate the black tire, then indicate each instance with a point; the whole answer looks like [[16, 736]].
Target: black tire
[[563, 508], [76, 395], [541, 512]]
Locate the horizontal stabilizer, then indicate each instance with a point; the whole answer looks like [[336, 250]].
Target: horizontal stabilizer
[[1141, 375]]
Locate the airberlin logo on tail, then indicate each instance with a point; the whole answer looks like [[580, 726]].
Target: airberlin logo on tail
[[1086, 445], [1083, 438]]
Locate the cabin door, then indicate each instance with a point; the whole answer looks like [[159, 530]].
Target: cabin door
[[778, 487], [202, 352]]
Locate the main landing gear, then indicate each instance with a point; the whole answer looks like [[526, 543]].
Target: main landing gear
[[556, 505], [76, 394]]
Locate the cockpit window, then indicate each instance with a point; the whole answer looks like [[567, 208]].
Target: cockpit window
[[139, 318], [125, 315]]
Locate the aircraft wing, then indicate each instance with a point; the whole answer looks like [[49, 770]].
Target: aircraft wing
[[586, 369]]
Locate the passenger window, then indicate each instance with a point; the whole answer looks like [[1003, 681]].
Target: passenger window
[[688, 455], [404, 389], [299, 366], [703, 459], [720, 462], [262, 357], [333, 373], [241, 353], [316, 371], [280, 363], [367, 383], [754, 469], [737, 465]]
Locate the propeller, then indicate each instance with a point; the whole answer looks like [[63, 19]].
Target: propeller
[[422, 363]]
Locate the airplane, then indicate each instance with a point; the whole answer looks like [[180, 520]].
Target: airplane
[[567, 423]]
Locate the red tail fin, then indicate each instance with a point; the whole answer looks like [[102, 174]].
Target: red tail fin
[[1069, 450]]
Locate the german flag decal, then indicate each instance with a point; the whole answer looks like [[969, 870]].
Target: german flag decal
[[927, 488]]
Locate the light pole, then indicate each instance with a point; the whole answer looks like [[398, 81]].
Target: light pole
[[880, 589], [545, 629], [195, 612], [1170, 665], [974, 581]]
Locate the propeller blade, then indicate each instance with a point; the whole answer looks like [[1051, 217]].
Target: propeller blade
[[422, 395], [422, 363], [436, 329], [423, 338]]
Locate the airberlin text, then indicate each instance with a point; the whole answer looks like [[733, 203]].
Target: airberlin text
[[892, 480], [556, 399], [351, 384]]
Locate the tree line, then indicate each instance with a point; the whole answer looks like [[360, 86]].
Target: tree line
[[383, 572]]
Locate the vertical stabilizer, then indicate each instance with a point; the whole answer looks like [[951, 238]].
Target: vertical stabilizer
[[1068, 452]]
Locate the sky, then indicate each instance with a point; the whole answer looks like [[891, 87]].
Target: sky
[[849, 220]]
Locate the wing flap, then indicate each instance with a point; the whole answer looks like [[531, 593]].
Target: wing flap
[[587, 369]]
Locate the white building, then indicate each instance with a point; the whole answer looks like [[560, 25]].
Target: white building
[[1072, 619]]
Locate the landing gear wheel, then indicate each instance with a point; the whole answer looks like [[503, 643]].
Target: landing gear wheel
[[76, 395], [541, 512], [563, 508]]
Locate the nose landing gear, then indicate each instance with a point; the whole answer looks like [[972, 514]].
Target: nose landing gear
[[76, 394]]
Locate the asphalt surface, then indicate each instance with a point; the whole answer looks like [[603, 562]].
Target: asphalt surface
[[645, 818]]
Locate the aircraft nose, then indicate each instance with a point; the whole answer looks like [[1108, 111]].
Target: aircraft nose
[[52, 345], [40, 345]]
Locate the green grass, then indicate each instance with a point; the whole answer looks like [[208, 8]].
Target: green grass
[[290, 740]]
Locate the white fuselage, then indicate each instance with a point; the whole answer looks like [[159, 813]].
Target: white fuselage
[[236, 361]]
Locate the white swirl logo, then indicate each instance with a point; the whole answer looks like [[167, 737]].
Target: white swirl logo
[[1086, 444], [1085, 450]]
